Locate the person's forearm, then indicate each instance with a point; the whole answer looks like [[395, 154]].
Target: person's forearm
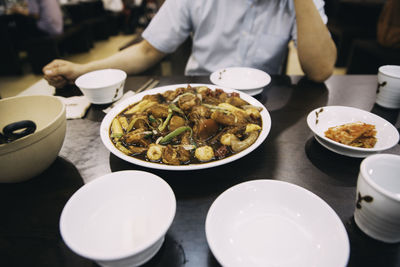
[[316, 49], [133, 60]]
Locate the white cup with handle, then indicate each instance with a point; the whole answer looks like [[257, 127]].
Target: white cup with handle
[[388, 92], [377, 211]]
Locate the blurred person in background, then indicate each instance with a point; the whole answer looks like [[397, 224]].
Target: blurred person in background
[[46, 13], [388, 29], [224, 33], [113, 5], [135, 15]]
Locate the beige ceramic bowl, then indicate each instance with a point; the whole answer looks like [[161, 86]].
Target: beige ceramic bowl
[[30, 155]]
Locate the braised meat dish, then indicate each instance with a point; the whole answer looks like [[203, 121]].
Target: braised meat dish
[[188, 125], [357, 134]]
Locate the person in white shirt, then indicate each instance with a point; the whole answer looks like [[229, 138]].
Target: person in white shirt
[[113, 5], [225, 33], [47, 13]]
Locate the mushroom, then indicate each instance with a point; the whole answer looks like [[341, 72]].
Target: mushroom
[[204, 153]]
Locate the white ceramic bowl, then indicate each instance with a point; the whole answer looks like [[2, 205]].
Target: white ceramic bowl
[[29, 156], [119, 219], [106, 124], [377, 210], [249, 80], [102, 86], [275, 223], [320, 119], [389, 86]]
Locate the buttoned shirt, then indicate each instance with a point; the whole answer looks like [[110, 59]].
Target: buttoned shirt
[[227, 33]]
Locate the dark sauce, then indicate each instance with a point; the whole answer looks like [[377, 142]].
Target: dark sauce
[[212, 141]]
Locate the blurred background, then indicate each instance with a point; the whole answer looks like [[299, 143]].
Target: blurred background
[[95, 29]]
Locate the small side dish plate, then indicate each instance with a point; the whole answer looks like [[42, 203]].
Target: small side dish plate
[[106, 123], [342, 150], [321, 119], [251, 81], [275, 223]]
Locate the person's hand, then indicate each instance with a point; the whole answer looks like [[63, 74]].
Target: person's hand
[[59, 73]]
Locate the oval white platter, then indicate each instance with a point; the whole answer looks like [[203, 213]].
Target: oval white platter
[[105, 128]]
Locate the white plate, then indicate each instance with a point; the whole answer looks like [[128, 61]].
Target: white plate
[[105, 127], [320, 119], [342, 150], [275, 223], [252, 81]]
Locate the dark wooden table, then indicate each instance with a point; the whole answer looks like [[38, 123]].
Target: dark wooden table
[[29, 234]]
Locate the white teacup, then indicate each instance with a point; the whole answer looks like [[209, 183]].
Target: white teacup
[[102, 86], [388, 92], [377, 211]]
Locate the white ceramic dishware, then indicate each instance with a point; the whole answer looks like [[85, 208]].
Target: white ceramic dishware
[[249, 80], [107, 121], [388, 92], [377, 211], [342, 150], [275, 223], [119, 219], [322, 118], [102, 86], [30, 155]]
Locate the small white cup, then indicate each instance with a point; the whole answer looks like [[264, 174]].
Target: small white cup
[[388, 92], [102, 86], [377, 211]]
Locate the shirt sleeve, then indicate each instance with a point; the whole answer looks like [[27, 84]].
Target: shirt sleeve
[[320, 7], [170, 26]]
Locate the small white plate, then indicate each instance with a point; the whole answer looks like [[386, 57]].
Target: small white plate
[[320, 119], [342, 150], [251, 81], [275, 223]]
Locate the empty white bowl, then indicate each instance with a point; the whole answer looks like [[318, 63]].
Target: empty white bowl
[[275, 223], [119, 219], [102, 86]]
